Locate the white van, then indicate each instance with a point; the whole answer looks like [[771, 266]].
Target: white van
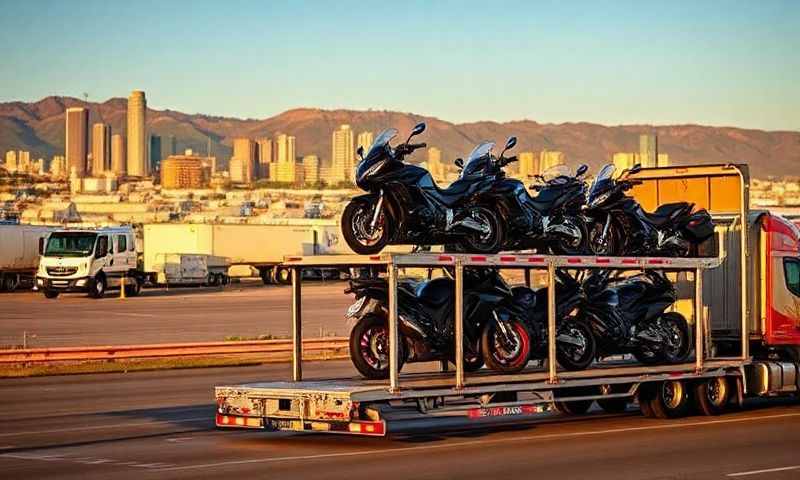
[[89, 261]]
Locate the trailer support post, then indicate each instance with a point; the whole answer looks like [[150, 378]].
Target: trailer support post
[[394, 375], [297, 327], [459, 327], [551, 321], [699, 350], [528, 277]]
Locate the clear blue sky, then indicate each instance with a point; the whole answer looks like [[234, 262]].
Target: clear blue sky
[[612, 62]]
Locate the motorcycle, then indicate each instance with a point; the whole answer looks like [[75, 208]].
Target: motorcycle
[[575, 343], [494, 332], [405, 206], [549, 221], [628, 315], [619, 225]]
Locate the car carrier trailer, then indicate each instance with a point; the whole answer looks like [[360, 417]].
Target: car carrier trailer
[[742, 340]]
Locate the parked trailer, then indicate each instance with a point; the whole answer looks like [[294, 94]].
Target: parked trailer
[[189, 269], [746, 333], [262, 247], [19, 253]]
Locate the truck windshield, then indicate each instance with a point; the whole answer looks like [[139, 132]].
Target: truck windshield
[[70, 244]]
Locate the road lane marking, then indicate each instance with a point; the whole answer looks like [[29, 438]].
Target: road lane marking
[[767, 470], [87, 460], [480, 442], [101, 427]]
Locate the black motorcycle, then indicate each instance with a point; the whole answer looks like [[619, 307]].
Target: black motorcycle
[[549, 221], [405, 206], [575, 343], [628, 315], [619, 225], [494, 331]]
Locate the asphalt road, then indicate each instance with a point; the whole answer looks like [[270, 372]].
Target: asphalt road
[[179, 315], [159, 425]]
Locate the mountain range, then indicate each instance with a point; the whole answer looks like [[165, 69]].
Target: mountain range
[[39, 127]]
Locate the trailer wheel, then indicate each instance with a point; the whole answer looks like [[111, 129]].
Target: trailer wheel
[[645, 396], [573, 407], [10, 282], [711, 395], [212, 280], [266, 275], [283, 276], [97, 287], [671, 399]]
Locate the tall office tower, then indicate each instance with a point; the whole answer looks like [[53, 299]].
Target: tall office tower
[[137, 135], [155, 154], [119, 155], [24, 161], [528, 165], [342, 154], [311, 169], [548, 159], [11, 161], [58, 166], [169, 146], [77, 140], [648, 150], [237, 169], [101, 148], [365, 140], [435, 165], [246, 150], [285, 147], [266, 156]]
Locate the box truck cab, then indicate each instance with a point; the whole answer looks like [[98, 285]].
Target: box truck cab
[[89, 261]]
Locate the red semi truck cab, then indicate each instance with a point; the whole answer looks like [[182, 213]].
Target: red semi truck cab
[[779, 254]]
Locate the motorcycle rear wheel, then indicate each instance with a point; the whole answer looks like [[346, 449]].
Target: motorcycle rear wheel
[[572, 357], [356, 220], [562, 246]]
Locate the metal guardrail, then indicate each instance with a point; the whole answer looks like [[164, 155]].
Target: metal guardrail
[[166, 350]]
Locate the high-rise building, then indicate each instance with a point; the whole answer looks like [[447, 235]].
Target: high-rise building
[[285, 147], [237, 168], [266, 156], [311, 169], [246, 150], [24, 161], [155, 154], [528, 165], [77, 140], [58, 166], [663, 160], [342, 154], [101, 148], [365, 140], [169, 146], [548, 159], [11, 161], [119, 155], [648, 150], [182, 171], [137, 135]]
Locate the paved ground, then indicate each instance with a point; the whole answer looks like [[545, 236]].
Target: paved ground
[[159, 425], [178, 315]]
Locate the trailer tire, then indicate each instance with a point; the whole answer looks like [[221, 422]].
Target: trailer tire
[[266, 275], [614, 405], [711, 395], [10, 282], [283, 276], [644, 396], [370, 338], [133, 287], [671, 399]]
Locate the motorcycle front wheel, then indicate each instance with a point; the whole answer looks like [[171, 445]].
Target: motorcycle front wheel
[[490, 241], [506, 350], [358, 232], [608, 246]]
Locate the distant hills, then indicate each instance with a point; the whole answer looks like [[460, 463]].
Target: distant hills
[[39, 127]]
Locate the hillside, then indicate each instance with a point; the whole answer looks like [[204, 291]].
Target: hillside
[[39, 127]]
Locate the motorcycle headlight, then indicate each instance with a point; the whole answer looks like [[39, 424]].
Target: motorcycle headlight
[[372, 170], [599, 200]]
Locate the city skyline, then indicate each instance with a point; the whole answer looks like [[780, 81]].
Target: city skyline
[[612, 63]]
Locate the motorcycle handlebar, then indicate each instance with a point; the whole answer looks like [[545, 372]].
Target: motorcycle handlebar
[[414, 146]]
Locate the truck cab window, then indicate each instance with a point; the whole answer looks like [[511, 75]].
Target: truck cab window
[[791, 268], [102, 247]]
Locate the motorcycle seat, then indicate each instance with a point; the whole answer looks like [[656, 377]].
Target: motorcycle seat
[[435, 293], [667, 213], [453, 194]]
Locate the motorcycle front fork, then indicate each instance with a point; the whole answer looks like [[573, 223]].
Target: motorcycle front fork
[[377, 213]]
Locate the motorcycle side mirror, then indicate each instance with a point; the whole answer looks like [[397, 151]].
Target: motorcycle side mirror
[[581, 170], [459, 162], [509, 144], [360, 151], [418, 128]]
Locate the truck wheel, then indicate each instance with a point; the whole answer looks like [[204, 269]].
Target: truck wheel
[[283, 276], [266, 275], [97, 288], [645, 396], [132, 287], [711, 395], [573, 407], [50, 293], [671, 399], [10, 282]]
